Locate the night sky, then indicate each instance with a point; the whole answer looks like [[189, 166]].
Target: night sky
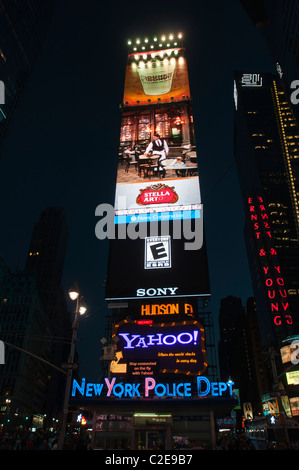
[[62, 149]]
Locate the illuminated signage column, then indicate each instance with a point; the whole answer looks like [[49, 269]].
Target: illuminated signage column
[[145, 348], [157, 260], [274, 284], [160, 252]]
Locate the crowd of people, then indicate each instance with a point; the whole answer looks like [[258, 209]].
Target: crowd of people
[[39, 440], [241, 442], [231, 442], [28, 440]]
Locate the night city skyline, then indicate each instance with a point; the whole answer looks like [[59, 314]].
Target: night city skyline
[[201, 350], [62, 146]]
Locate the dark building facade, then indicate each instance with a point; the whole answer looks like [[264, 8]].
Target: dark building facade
[[24, 379], [47, 248], [45, 260], [23, 27], [278, 23], [261, 374], [35, 319], [233, 339], [240, 352], [267, 158]]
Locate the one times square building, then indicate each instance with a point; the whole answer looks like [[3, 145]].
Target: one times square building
[[267, 158], [159, 388]]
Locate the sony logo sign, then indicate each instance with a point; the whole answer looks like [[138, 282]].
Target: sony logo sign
[[156, 291]]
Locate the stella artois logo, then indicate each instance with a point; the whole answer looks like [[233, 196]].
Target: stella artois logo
[[157, 194]]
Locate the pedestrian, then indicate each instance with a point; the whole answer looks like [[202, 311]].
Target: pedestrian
[[55, 444]]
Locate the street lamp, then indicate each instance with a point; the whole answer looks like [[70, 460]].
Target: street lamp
[[74, 291], [81, 308]]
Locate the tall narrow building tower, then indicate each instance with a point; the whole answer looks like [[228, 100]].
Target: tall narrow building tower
[[157, 281]]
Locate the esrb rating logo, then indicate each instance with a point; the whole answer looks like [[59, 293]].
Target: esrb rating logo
[[157, 252]]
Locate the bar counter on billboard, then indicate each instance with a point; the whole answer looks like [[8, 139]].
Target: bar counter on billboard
[[149, 164]]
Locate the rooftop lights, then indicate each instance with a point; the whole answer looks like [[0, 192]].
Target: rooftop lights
[[148, 41]]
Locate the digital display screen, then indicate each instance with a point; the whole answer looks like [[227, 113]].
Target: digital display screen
[[156, 267], [157, 167], [149, 348], [157, 185], [156, 76]]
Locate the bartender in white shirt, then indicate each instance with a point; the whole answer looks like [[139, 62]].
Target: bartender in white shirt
[[158, 146]]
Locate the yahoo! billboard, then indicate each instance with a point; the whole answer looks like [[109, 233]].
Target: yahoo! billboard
[[145, 348]]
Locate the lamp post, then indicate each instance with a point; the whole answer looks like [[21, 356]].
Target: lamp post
[[74, 294]]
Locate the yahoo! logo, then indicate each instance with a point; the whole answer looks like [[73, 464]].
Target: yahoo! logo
[[159, 339]]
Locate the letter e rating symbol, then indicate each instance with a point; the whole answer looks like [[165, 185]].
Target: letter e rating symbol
[[157, 252]]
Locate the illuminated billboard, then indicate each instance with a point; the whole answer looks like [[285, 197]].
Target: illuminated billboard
[[157, 248], [157, 167], [146, 348], [177, 308], [155, 76], [289, 352], [156, 267], [111, 389], [170, 196], [292, 377], [294, 404]]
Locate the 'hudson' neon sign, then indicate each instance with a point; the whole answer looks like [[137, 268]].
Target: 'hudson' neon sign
[[151, 389]]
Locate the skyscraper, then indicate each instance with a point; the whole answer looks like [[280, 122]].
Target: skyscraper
[[157, 283], [266, 149], [47, 248], [239, 350], [23, 26], [278, 22], [34, 317], [24, 378], [267, 158], [45, 260]]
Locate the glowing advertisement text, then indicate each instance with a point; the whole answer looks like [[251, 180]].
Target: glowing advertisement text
[[157, 192], [150, 388], [148, 348], [273, 278]]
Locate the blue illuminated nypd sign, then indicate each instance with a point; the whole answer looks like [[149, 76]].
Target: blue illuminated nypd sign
[[150, 388]]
